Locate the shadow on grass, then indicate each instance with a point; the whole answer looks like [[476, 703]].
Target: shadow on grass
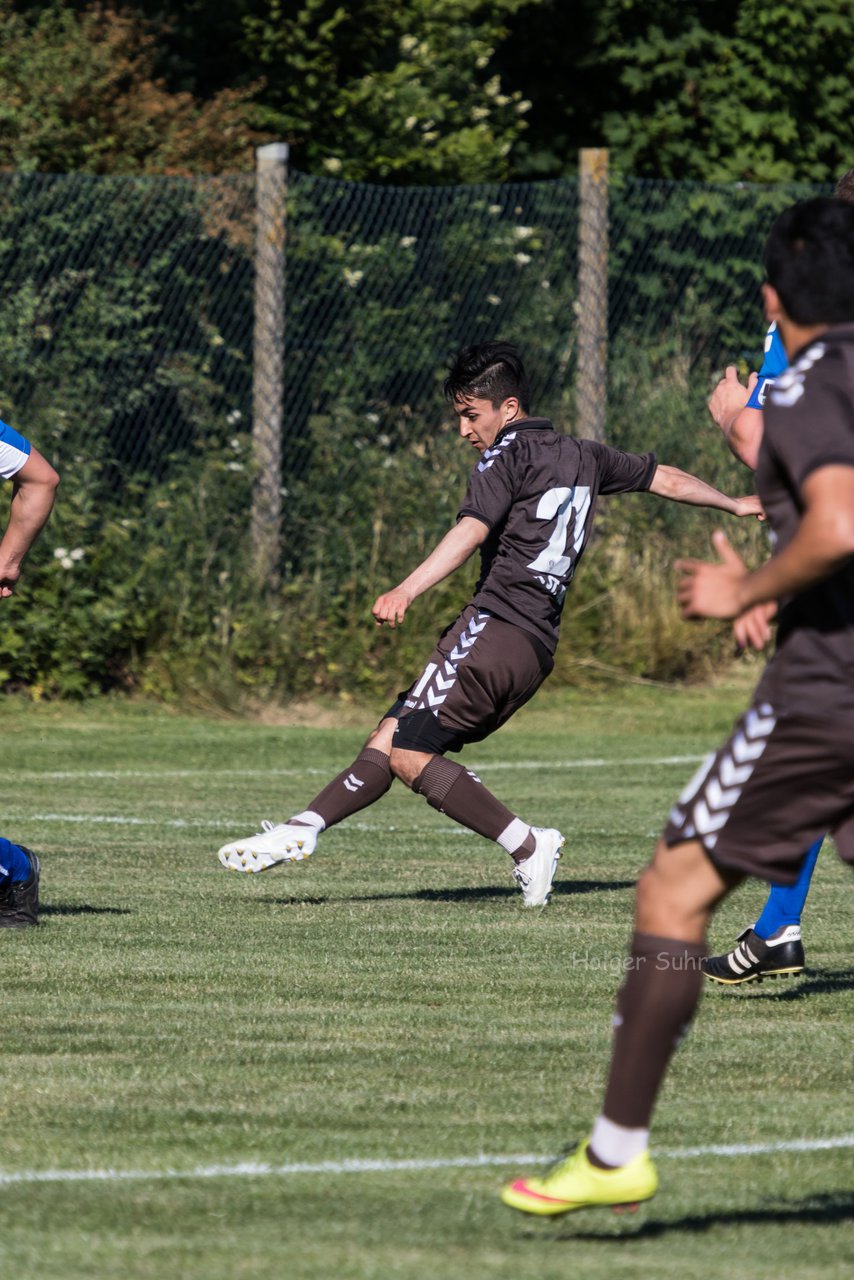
[[82, 909], [481, 893], [822, 983], [825, 1209]]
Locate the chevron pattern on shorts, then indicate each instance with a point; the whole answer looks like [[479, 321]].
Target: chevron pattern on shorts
[[437, 680], [705, 804]]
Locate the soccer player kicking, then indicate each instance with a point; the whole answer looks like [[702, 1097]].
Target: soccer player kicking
[[786, 774], [772, 947], [34, 486], [528, 509]]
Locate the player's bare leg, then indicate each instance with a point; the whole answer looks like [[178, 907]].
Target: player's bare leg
[[361, 784], [676, 896], [459, 793]]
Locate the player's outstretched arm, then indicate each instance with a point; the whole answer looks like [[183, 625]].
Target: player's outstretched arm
[[823, 542], [740, 424], [679, 486], [454, 549], [32, 499]]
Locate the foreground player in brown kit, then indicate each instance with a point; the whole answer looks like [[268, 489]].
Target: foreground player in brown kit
[[528, 508], [786, 774]]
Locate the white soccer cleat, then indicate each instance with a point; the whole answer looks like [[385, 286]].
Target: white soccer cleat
[[274, 843], [534, 876]]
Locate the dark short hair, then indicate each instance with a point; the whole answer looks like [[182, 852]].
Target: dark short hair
[[845, 187], [809, 259], [491, 371]]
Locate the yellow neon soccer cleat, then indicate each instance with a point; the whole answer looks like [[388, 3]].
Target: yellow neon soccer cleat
[[577, 1184]]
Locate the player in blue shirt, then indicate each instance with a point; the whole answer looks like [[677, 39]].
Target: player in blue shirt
[[34, 484], [772, 946]]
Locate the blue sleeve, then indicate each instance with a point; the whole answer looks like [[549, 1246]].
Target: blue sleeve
[[775, 362], [14, 451]]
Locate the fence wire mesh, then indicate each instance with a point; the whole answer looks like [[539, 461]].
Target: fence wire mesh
[[128, 305]]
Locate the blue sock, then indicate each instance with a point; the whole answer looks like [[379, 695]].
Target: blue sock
[[14, 863], [785, 903]]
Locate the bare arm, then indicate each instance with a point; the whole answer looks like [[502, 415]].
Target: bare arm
[[679, 486], [454, 549], [741, 426], [823, 542], [745, 436], [32, 500]]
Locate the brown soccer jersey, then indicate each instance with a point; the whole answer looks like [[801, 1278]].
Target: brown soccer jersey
[[536, 490], [809, 423]]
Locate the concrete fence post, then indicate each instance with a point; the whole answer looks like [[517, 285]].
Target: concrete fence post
[[591, 374], [271, 183]]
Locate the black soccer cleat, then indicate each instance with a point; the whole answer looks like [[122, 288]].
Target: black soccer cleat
[[756, 958], [19, 901]]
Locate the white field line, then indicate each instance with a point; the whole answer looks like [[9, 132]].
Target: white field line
[[249, 1169], [156, 775], [120, 820], [227, 824]]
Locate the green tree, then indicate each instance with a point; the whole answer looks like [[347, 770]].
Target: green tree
[[80, 92], [389, 89], [727, 91]]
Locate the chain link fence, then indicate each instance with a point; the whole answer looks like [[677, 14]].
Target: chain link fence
[[240, 378], [127, 305]]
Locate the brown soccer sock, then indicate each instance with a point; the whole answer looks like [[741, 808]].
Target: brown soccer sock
[[655, 1006], [459, 793], [366, 781]]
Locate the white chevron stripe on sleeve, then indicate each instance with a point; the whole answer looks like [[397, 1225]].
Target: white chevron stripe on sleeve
[[733, 775]]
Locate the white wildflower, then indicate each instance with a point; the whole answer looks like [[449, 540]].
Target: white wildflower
[[233, 417], [406, 242], [352, 278], [332, 164], [521, 259], [493, 299], [523, 233]]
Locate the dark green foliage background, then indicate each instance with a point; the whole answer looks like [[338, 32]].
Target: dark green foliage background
[[126, 355]]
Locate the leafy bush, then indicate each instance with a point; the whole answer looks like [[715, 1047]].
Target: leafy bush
[[153, 591]]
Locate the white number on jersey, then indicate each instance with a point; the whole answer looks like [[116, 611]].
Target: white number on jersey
[[553, 566]]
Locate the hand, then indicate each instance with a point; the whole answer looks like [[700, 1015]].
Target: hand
[[752, 629], [8, 577], [712, 590], [729, 397], [749, 506], [391, 607]]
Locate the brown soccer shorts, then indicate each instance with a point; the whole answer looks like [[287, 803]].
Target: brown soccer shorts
[[481, 671], [774, 787]]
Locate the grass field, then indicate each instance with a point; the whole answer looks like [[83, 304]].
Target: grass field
[[209, 1076]]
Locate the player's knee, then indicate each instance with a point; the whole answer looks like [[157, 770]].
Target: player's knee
[[383, 736], [678, 891], [408, 765], [434, 779]]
